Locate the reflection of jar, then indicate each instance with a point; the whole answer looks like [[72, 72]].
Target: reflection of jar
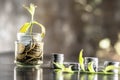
[[29, 49], [28, 73]]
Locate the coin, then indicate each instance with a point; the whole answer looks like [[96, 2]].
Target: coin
[[21, 48], [21, 56]]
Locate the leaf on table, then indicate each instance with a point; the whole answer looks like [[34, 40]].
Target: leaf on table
[[58, 65], [108, 68], [62, 68], [90, 67], [81, 60], [69, 69]]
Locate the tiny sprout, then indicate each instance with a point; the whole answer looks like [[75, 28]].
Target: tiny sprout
[[29, 25]]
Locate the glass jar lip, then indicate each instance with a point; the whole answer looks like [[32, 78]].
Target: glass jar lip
[[28, 34], [17, 41]]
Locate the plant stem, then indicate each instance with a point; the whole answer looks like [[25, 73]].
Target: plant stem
[[31, 26]]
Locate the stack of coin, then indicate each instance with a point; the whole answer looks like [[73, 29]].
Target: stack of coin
[[94, 60], [112, 63], [57, 58]]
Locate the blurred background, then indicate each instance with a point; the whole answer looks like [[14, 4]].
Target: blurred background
[[71, 25]]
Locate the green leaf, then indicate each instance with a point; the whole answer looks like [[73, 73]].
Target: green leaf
[[108, 68], [69, 69], [42, 28], [90, 67], [62, 68], [31, 9], [58, 65], [25, 28], [81, 60], [27, 25], [57, 70]]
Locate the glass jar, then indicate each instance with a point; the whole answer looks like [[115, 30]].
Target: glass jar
[[29, 49]]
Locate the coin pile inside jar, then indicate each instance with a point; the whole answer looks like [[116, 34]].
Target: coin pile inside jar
[[31, 53]]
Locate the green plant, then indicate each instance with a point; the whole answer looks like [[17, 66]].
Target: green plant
[[62, 68], [32, 52], [108, 68], [81, 60], [90, 67], [29, 25]]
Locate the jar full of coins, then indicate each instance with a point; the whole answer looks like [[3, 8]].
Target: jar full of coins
[[29, 49]]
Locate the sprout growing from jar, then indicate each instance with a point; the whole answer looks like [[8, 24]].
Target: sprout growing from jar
[[29, 45]]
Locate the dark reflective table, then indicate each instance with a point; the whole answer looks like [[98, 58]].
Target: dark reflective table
[[9, 71]]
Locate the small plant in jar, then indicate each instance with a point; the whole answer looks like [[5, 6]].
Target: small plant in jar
[[29, 45]]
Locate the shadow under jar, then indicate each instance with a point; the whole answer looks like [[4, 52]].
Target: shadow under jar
[[29, 49]]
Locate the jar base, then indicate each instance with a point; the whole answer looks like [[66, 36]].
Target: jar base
[[28, 65]]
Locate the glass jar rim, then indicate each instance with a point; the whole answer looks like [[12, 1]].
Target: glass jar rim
[[17, 41], [29, 34]]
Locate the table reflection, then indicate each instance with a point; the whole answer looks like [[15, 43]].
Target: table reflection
[[111, 77], [83, 76], [37, 73], [28, 73], [65, 76], [86, 76]]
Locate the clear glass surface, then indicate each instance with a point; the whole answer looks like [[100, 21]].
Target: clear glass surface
[[29, 49]]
